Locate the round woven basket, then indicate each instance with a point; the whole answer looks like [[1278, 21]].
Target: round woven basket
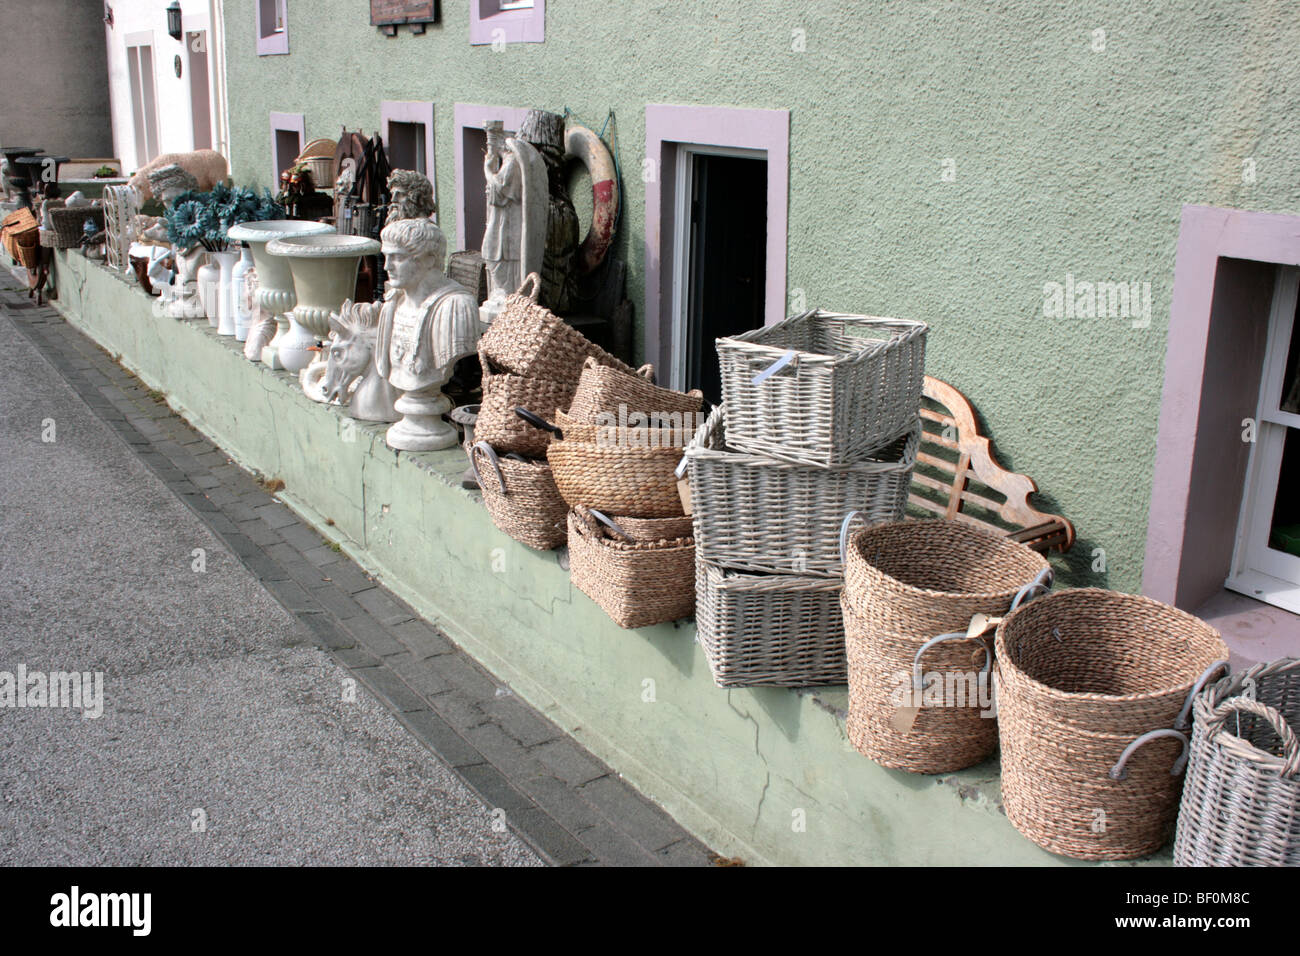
[[520, 496], [1241, 799], [617, 480], [1090, 686], [906, 584], [636, 582]]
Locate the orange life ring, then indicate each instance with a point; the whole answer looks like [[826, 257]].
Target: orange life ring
[[585, 146]]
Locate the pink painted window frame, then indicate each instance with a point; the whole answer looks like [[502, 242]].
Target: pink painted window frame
[[413, 111], [290, 122], [1207, 234], [276, 43], [517, 26], [666, 128], [475, 116]]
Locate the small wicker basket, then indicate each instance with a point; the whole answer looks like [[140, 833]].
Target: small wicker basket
[[613, 393], [822, 388], [639, 571], [521, 497], [730, 492], [1091, 684], [69, 225], [769, 630], [617, 479], [1241, 799]]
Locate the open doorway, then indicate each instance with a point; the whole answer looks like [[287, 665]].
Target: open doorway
[[196, 43], [720, 253]]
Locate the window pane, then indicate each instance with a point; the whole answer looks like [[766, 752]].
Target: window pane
[[1284, 530], [1290, 397]]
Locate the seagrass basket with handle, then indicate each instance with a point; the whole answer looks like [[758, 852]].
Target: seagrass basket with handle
[[822, 388], [606, 394], [919, 599], [520, 497], [640, 571], [617, 479], [1091, 686], [1241, 799], [503, 392], [528, 339]]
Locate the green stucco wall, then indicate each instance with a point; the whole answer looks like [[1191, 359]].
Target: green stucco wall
[[1072, 153]]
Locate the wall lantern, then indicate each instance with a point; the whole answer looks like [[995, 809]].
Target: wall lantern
[[174, 20]]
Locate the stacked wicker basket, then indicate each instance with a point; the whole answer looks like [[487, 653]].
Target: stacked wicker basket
[[820, 417], [531, 359], [630, 544]]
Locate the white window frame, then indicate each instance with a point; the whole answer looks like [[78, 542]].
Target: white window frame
[[682, 242], [1259, 571], [516, 4], [272, 42]]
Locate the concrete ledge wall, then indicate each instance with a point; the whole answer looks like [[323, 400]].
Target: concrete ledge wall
[[764, 774]]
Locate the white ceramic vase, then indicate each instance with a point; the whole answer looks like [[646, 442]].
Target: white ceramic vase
[[225, 291], [238, 277], [274, 280], [324, 271], [209, 276]]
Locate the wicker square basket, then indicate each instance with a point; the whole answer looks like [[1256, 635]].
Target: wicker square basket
[[822, 388], [640, 571], [769, 630], [766, 515]]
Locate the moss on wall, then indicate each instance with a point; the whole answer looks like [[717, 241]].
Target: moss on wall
[[1072, 152]]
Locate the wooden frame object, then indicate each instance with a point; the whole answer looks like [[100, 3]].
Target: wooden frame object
[[388, 15], [954, 431]]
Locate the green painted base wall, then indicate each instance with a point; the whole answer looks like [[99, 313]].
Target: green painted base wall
[[764, 774]]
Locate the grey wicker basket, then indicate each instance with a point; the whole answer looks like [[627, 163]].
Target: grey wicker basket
[[769, 630], [758, 513], [1241, 798], [822, 388]]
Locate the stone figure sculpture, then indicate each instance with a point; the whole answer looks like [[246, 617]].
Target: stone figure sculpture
[[348, 374], [514, 239], [410, 196], [207, 166], [168, 182], [426, 323], [545, 132]]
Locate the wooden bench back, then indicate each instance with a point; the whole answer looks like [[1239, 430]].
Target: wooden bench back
[[958, 477]]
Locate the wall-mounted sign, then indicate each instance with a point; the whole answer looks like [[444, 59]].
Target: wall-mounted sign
[[388, 15]]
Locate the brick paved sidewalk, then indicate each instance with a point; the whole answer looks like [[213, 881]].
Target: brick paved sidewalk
[[569, 806]]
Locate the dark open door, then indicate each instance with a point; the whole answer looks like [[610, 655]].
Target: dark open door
[[728, 260]]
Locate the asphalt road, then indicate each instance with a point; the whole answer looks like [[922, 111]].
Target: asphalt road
[[226, 736]]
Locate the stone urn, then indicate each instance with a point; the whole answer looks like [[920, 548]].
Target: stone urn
[[274, 280], [324, 270]]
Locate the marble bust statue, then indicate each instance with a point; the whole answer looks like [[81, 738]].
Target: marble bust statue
[[514, 236], [426, 323]]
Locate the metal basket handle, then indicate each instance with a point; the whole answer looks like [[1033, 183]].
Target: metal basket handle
[[1120, 771], [844, 534], [1184, 716], [1290, 743], [608, 522], [537, 421], [492, 457]]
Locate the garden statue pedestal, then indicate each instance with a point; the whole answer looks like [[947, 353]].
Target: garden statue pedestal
[[426, 323], [324, 270], [274, 280]]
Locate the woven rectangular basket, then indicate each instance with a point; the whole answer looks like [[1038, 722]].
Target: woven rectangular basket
[[607, 391], [732, 491], [520, 496], [769, 630], [528, 339], [639, 571], [497, 423], [822, 388]]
